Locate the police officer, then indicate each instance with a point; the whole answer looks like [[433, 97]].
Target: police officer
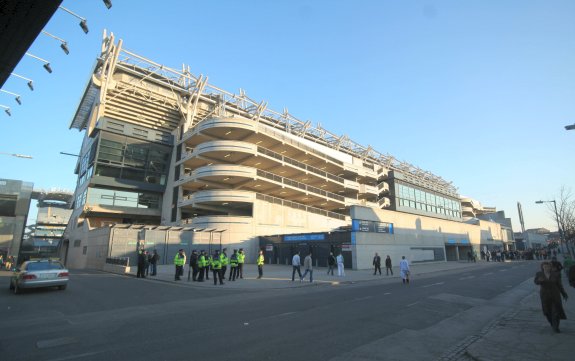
[[201, 265], [224, 261], [241, 260], [207, 265], [233, 266], [217, 268], [179, 262], [260, 262]]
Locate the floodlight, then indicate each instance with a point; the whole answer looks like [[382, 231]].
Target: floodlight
[[6, 109], [84, 26], [63, 43], [17, 96], [31, 85], [30, 82], [46, 62], [18, 100], [108, 3], [83, 23], [48, 68], [64, 47]]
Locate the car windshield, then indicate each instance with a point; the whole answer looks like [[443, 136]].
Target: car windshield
[[43, 266]]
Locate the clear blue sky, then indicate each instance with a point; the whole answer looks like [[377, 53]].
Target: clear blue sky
[[477, 92]]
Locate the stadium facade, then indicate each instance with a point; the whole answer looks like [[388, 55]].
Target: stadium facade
[[166, 150]]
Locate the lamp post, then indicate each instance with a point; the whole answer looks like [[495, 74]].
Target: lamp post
[[561, 239]]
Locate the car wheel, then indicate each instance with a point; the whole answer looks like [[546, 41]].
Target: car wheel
[[62, 288]]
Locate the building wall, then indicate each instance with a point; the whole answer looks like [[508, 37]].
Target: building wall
[[15, 199], [419, 238]]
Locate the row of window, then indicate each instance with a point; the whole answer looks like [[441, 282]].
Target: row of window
[[108, 197], [426, 201]]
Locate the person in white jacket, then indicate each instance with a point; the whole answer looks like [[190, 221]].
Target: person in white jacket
[[340, 270], [404, 270]]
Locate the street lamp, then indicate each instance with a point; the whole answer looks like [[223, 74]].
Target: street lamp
[[557, 219], [30, 82], [83, 22], [6, 109], [17, 97], [63, 43], [46, 62]]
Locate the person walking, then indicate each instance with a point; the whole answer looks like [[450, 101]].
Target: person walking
[[207, 265], [308, 265], [233, 266], [340, 268], [296, 264], [179, 262], [550, 293], [141, 264], [260, 263], [388, 268], [155, 257], [330, 263], [404, 270], [376, 264], [241, 261], [217, 268], [193, 266]]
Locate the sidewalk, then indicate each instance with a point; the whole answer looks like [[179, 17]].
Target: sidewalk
[[522, 333]]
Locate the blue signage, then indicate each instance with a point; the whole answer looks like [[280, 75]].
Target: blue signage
[[304, 237], [359, 225]]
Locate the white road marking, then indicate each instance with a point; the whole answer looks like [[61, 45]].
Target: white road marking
[[489, 273], [434, 284], [387, 293], [362, 298], [412, 304], [466, 278], [73, 357], [502, 270]]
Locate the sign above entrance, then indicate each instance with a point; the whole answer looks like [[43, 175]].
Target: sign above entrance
[[359, 225], [304, 237]]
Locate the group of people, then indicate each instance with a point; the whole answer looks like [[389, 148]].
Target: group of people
[[377, 265], [332, 261], [6, 263], [147, 261], [551, 291], [202, 263]]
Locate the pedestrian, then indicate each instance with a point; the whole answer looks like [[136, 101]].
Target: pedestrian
[[154, 258], [217, 268], [376, 264], [233, 266], [388, 268], [207, 265], [194, 257], [296, 264], [331, 262], [260, 263], [201, 265], [572, 275], [550, 292], [224, 261], [340, 268], [404, 270], [141, 264], [179, 262], [308, 265], [241, 260]]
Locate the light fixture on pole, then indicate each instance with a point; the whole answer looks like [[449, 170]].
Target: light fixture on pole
[[83, 23], [108, 3], [570, 127], [30, 82], [46, 62], [17, 96], [63, 43], [561, 239], [6, 109]]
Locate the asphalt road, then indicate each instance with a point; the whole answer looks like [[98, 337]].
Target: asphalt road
[[109, 317]]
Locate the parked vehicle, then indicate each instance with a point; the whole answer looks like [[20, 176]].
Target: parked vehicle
[[39, 273]]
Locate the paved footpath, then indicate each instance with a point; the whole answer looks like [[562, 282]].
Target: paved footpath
[[522, 333]]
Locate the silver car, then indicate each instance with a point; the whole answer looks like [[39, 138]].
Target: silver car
[[39, 273]]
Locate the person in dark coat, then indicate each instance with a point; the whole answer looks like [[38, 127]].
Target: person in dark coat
[[154, 258], [194, 266], [550, 292], [142, 260], [572, 276], [388, 266], [376, 264]]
